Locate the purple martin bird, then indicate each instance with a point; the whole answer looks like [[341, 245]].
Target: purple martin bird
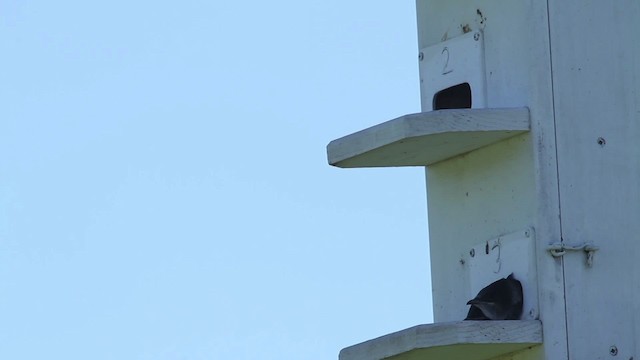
[[500, 300]]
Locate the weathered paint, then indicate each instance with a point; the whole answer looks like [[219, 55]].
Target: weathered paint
[[507, 186], [595, 47]]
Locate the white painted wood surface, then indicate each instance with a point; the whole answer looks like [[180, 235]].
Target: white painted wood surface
[[426, 138], [469, 340], [501, 256], [472, 198], [596, 76], [511, 184], [452, 62]]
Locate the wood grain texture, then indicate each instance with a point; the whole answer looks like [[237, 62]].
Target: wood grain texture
[[426, 138], [508, 185], [452, 340], [596, 77]]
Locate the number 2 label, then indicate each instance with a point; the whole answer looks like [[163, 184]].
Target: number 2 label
[[445, 71]]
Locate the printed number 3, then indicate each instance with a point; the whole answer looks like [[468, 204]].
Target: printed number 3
[[445, 71]]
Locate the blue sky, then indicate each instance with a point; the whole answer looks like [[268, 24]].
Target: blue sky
[[164, 187]]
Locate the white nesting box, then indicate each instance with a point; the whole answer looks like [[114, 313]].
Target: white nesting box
[[530, 137]]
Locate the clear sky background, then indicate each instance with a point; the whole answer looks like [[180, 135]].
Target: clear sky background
[[164, 188]]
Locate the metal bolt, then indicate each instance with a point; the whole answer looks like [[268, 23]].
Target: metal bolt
[[472, 252], [421, 56], [613, 351], [601, 141], [476, 36]]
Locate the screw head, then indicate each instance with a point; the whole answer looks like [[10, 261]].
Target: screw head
[[613, 350], [476, 36], [472, 252], [421, 56], [602, 141]]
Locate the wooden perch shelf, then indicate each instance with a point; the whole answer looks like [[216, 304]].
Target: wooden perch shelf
[[469, 340], [425, 138]]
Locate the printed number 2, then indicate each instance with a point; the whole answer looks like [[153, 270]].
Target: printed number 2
[[445, 71]]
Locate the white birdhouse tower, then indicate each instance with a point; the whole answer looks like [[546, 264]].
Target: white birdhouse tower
[[530, 135]]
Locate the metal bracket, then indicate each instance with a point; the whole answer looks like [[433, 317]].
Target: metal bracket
[[559, 249]]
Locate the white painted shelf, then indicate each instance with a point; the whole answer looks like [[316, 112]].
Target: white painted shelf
[[425, 138], [469, 340]]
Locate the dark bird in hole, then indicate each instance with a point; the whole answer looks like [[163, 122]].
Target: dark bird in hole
[[500, 300]]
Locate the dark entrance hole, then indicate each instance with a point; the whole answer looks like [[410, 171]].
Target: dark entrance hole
[[455, 97]]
